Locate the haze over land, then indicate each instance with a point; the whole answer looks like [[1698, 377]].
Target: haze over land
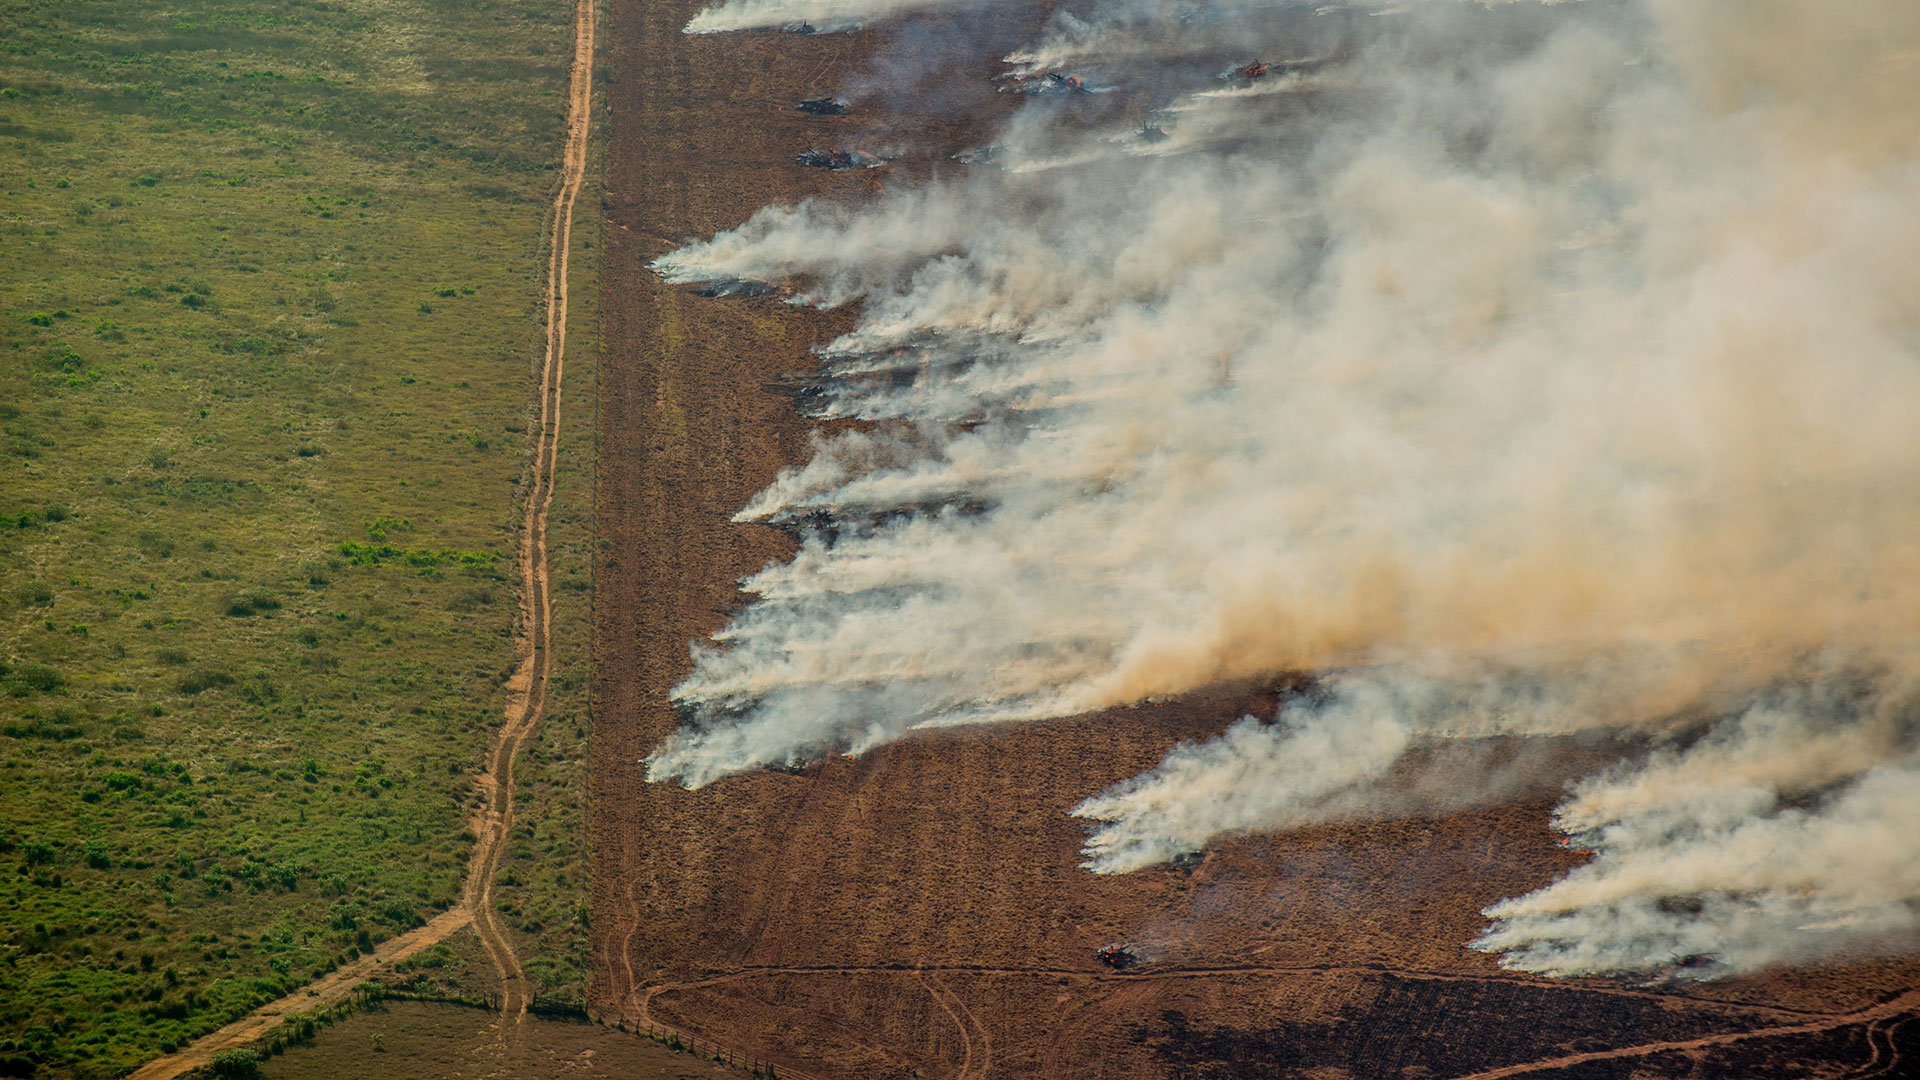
[[1519, 369]]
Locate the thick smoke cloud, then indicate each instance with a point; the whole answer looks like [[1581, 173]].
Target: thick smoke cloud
[[1530, 369]]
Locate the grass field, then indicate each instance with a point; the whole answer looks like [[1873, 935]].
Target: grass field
[[267, 335]]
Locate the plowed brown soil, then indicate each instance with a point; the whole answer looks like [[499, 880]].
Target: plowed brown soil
[[919, 911]]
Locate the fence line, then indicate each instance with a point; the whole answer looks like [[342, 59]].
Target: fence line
[[669, 1036]]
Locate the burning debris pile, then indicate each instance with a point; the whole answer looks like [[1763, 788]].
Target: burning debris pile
[[1577, 398], [1053, 83], [836, 159], [741, 289], [1117, 957]]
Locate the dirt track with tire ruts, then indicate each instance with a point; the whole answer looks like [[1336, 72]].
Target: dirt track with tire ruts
[[919, 911]]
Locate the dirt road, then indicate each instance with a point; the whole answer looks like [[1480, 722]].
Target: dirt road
[[526, 689]]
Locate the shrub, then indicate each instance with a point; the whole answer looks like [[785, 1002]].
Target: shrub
[[40, 677], [374, 554], [34, 594], [247, 604], [68, 368], [377, 528], [199, 681], [60, 730]]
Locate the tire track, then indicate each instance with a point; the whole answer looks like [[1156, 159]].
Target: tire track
[[526, 689], [973, 1033], [1894, 1007], [642, 1002], [1895, 1011], [625, 953], [1893, 1048], [940, 996], [1874, 1066]]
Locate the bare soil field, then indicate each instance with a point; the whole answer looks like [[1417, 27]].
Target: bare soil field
[[919, 911]]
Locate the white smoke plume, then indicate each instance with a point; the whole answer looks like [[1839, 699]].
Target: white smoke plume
[[822, 16], [1718, 859], [1534, 368]]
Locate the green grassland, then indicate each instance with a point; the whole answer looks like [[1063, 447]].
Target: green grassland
[[268, 328]]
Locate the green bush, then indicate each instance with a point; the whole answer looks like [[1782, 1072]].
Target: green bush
[[43, 678], [252, 603], [68, 368]]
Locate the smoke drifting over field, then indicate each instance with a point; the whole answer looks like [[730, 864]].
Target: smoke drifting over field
[[1522, 369], [810, 15]]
